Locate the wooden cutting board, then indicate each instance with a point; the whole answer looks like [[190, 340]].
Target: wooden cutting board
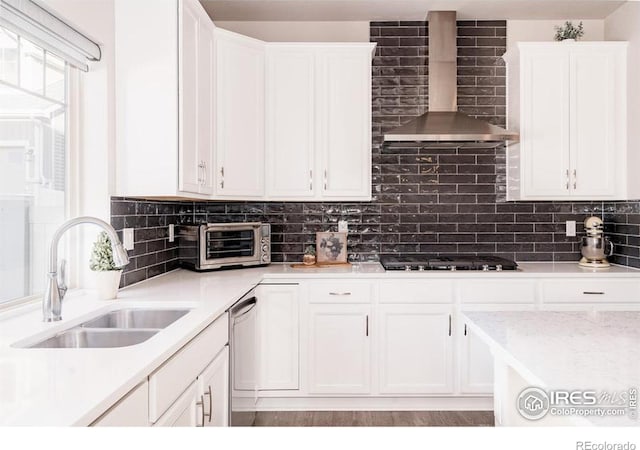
[[320, 265]]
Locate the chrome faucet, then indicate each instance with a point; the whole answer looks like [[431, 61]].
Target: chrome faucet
[[52, 301]]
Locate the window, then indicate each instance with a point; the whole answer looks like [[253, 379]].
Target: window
[[33, 161]]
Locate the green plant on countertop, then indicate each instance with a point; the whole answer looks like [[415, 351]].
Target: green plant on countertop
[[102, 255], [310, 250], [568, 31]]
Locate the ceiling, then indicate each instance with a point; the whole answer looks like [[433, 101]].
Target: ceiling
[[368, 10]]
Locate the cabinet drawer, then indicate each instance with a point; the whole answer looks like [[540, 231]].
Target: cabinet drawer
[[497, 291], [432, 291], [590, 291], [340, 292], [174, 376]]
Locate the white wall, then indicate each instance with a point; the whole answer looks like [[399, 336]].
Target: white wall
[[624, 25], [94, 140], [301, 31]]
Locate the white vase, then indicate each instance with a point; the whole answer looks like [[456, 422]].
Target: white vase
[[107, 284]]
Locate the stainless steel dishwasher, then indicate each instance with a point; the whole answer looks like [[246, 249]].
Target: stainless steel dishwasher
[[244, 361]]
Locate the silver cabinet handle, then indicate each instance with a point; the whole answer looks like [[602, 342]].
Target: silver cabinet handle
[[465, 329], [449, 324], [210, 404], [202, 173], [341, 294], [366, 332], [575, 179], [593, 293], [568, 180], [201, 405], [325, 179], [311, 179], [222, 177]]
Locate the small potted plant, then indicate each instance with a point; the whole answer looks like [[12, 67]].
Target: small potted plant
[[309, 257], [107, 274], [568, 32]]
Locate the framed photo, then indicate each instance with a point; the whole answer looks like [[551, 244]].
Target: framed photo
[[331, 247]]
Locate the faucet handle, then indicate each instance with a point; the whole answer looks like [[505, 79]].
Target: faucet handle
[[62, 275]]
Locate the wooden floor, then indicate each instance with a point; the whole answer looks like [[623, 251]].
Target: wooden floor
[[375, 419]]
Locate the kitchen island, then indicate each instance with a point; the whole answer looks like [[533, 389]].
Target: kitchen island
[[585, 366]]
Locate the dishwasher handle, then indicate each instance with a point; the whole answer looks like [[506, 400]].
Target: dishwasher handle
[[243, 307]]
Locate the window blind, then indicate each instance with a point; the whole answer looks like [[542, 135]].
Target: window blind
[[42, 26]]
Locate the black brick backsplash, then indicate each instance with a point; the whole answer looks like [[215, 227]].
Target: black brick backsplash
[[153, 254], [438, 198]]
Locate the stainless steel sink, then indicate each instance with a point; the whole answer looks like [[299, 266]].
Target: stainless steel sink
[[95, 338], [120, 328], [136, 318]]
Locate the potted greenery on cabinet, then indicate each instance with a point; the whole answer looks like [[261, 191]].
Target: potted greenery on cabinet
[[106, 273]]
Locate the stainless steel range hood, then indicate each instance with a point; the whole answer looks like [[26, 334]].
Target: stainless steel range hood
[[443, 122]]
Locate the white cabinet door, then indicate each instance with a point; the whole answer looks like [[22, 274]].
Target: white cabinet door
[[475, 365], [475, 361], [593, 122], [206, 102], [339, 348], [290, 119], [344, 123], [239, 116], [415, 349], [182, 413], [196, 97], [544, 133], [188, 44], [213, 391], [130, 411], [278, 324]]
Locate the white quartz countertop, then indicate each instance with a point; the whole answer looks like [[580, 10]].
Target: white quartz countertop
[[567, 350], [74, 386], [376, 271]]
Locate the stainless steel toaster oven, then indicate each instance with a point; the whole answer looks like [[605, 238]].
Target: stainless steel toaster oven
[[224, 245]]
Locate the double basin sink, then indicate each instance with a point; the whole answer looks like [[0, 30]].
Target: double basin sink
[[120, 328]]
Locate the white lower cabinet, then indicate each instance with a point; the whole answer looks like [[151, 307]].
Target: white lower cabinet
[[182, 413], [205, 403], [200, 366], [475, 366], [339, 348], [415, 349], [213, 392], [475, 361], [279, 340], [130, 411]]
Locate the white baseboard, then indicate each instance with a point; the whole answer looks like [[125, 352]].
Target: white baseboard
[[375, 404]]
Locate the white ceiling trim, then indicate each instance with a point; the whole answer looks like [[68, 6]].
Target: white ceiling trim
[[372, 10]]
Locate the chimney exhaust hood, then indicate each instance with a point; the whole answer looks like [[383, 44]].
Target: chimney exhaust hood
[[443, 122]]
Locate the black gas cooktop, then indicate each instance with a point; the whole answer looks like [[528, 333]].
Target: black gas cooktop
[[448, 262]]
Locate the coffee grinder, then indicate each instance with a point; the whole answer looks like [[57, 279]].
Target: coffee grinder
[[593, 248]]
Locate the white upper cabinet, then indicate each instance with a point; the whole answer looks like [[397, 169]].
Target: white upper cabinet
[[290, 119], [572, 122], [344, 109], [164, 99], [196, 95], [239, 118], [206, 113], [318, 117]]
